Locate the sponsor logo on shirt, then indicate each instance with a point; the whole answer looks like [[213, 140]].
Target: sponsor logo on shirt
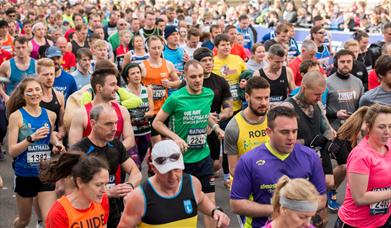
[[188, 207]]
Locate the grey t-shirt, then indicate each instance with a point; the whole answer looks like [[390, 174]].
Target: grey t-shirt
[[377, 95], [343, 94], [232, 134]]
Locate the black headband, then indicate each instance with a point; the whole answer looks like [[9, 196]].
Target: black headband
[[202, 55]]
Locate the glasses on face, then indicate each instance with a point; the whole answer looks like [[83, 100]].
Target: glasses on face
[[172, 157], [122, 24], [12, 15]]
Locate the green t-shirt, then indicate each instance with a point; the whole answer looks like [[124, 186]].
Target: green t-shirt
[[189, 120]]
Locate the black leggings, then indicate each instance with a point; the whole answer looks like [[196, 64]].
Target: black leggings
[[340, 224]]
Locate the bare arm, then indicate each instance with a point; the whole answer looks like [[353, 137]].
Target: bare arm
[[232, 161], [205, 205], [61, 127], [127, 131], [5, 69], [291, 80], [15, 122], [134, 209], [358, 187], [250, 208], [227, 110], [77, 126], [175, 82], [126, 60], [134, 173], [150, 102]]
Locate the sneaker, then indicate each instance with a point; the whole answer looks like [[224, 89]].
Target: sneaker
[[332, 203]]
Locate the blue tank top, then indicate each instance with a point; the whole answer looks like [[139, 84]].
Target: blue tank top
[[18, 75], [324, 58], [26, 164], [175, 56]]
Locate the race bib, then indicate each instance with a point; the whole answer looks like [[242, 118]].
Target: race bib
[[196, 138], [36, 157], [159, 92], [234, 91], [379, 208]]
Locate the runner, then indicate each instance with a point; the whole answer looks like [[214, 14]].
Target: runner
[[247, 129], [138, 54], [104, 86], [258, 170], [51, 99], [29, 136], [63, 82], [141, 115], [294, 202], [345, 90], [221, 108], [188, 110], [159, 73], [19, 66], [102, 141], [88, 203], [368, 190], [229, 67], [170, 198], [279, 76]]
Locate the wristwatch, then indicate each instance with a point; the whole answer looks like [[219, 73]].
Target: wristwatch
[[29, 139]]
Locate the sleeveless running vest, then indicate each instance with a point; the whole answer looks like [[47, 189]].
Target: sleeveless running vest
[[17, 75], [140, 123], [324, 57], [26, 164], [92, 217], [35, 52], [138, 58], [175, 211], [250, 135], [278, 87], [120, 123], [308, 127], [7, 44], [54, 106], [154, 77]]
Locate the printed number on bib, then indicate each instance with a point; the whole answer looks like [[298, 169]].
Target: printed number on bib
[[196, 138], [159, 92], [381, 207], [234, 91], [36, 157]]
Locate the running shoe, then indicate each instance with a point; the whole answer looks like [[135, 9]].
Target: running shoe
[[332, 203]]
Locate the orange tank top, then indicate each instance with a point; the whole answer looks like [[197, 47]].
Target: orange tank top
[[94, 216], [154, 77]]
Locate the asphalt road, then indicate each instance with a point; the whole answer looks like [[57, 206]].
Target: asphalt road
[[8, 208]]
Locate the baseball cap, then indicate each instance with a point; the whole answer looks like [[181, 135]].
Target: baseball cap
[[167, 156], [170, 29], [53, 51]]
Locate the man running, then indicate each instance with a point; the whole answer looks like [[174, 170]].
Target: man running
[[188, 110], [170, 198]]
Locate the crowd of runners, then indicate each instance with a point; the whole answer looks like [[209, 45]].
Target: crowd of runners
[[94, 95]]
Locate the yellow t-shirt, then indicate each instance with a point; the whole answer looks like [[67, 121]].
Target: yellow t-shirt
[[230, 68], [250, 135]]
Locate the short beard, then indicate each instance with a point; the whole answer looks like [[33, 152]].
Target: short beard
[[255, 112]]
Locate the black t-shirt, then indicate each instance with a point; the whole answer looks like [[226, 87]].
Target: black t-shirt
[[220, 88], [76, 47], [114, 152]]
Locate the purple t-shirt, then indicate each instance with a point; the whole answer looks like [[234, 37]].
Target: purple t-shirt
[[258, 171]]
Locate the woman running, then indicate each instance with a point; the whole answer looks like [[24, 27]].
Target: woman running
[[30, 133], [87, 205]]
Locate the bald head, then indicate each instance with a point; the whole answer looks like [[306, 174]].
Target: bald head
[[61, 40], [313, 79]]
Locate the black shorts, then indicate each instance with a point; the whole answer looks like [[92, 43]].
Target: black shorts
[[214, 146], [153, 131], [203, 170], [31, 186], [326, 162]]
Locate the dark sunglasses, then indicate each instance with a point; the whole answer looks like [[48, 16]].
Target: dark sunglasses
[[172, 157]]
